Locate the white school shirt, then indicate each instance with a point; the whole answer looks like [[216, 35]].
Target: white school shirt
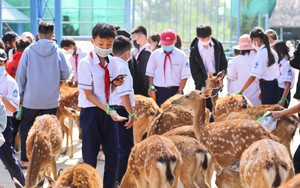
[[239, 72], [260, 69], [180, 68], [208, 57], [230, 83], [81, 54], [9, 90], [126, 88], [91, 77], [287, 74]]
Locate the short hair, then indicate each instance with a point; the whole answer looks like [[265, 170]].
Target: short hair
[[155, 37], [22, 43], [139, 30], [203, 31], [104, 30], [46, 28], [271, 33], [121, 45], [67, 42], [2, 45]]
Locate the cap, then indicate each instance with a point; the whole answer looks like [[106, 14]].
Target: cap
[[245, 43], [167, 37], [8, 36], [124, 33], [3, 55]]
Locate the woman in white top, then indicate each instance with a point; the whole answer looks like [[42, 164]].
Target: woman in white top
[[286, 79], [240, 69], [265, 68]]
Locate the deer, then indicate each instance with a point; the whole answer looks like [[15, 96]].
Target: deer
[[79, 175], [68, 99], [43, 145], [224, 140], [168, 102], [146, 110], [154, 162], [266, 164], [292, 183], [286, 126]]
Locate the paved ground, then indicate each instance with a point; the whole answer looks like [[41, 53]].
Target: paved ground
[[64, 160]]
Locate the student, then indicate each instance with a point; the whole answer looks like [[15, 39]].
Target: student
[[295, 63], [240, 69], [9, 39], [265, 68], [154, 41], [286, 79], [9, 95], [168, 69], [96, 117], [122, 100], [40, 70], [272, 36], [287, 112], [207, 55], [139, 36], [76, 53]]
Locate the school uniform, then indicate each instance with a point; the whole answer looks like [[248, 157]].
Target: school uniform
[[74, 61], [142, 57], [9, 91], [125, 135], [239, 72], [167, 70], [287, 74], [267, 76], [97, 127]]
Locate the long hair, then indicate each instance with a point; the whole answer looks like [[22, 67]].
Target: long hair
[[282, 50], [257, 32]]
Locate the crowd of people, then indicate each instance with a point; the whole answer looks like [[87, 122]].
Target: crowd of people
[[120, 65]]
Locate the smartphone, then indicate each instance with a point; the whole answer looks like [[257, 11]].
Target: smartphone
[[120, 76]]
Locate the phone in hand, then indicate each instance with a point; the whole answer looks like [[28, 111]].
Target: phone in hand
[[119, 77]]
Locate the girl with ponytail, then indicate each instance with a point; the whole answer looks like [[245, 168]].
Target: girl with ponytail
[[265, 68]]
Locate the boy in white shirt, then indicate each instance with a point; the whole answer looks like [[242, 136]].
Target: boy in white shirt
[[96, 117], [122, 100], [168, 69], [9, 95]]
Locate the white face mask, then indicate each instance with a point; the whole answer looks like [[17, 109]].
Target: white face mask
[[70, 51], [255, 46], [205, 43], [102, 52]]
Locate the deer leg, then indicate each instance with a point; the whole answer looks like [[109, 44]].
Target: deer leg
[[71, 136], [54, 168]]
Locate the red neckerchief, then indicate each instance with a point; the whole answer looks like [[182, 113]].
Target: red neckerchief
[[106, 79], [165, 62], [137, 52], [76, 61]]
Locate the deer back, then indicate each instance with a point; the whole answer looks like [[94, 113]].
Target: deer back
[[187, 130]]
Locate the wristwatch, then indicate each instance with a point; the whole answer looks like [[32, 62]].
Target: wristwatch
[[180, 92]]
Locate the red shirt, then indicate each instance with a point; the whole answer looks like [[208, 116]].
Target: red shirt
[[11, 67]]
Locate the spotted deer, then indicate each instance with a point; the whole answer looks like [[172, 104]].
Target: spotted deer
[[69, 99], [292, 183], [154, 162], [168, 102], [186, 130], [79, 175], [195, 160], [266, 164], [224, 140], [43, 145], [286, 126], [146, 110]]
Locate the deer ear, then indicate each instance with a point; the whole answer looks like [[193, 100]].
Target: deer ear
[[210, 75], [221, 75]]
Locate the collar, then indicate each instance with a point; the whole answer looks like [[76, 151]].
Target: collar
[[120, 60], [144, 46], [201, 47], [261, 47], [96, 60]]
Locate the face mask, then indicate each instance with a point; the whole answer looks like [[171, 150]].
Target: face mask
[[255, 46], [168, 48], [2, 70], [204, 43], [136, 45], [70, 51], [102, 52]]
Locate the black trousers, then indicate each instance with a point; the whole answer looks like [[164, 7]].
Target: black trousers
[[286, 103], [163, 93], [269, 91], [7, 154], [27, 121]]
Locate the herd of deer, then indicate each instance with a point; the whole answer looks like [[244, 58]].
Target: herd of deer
[[177, 143]]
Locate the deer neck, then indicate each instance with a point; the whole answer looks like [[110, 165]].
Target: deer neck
[[199, 117]]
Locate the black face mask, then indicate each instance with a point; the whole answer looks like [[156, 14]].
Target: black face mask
[[136, 45]]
